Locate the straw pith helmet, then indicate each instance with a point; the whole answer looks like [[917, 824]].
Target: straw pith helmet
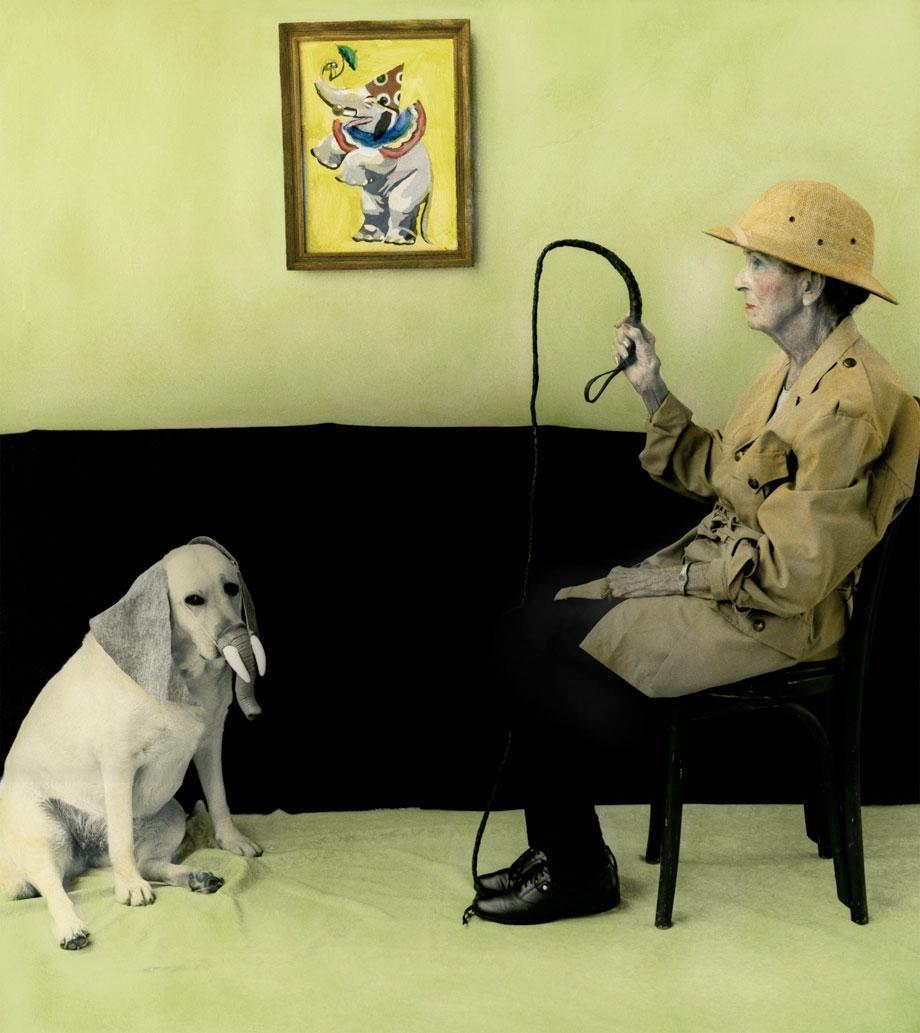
[[812, 225]]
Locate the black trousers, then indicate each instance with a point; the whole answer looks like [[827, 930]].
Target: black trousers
[[563, 706]]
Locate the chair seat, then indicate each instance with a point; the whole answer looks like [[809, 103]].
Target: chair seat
[[805, 679]]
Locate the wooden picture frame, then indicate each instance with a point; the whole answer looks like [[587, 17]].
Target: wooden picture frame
[[377, 167]]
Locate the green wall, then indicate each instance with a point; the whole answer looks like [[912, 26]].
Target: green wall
[[143, 273]]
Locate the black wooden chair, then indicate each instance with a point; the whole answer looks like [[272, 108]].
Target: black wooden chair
[[832, 812]]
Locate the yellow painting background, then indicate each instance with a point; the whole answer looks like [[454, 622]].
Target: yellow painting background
[[333, 210]]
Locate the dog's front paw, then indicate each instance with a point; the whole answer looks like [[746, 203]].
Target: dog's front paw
[[234, 841], [72, 936], [135, 892], [77, 941]]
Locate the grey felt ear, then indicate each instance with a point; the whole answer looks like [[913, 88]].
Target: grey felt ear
[[249, 610], [136, 633]]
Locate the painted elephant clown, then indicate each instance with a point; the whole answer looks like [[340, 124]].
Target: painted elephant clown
[[379, 148]]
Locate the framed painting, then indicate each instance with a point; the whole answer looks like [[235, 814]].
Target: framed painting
[[376, 119]]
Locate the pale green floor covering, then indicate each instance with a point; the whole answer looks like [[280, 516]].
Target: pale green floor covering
[[350, 923]]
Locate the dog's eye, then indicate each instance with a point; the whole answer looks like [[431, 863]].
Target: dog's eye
[[194, 600], [231, 589]]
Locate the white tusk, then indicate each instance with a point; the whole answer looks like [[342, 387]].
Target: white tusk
[[232, 656], [258, 652]]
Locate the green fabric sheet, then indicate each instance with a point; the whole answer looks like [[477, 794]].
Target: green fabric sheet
[[350, 923]]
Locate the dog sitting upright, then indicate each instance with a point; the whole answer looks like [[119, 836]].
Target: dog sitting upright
[[90, 778]]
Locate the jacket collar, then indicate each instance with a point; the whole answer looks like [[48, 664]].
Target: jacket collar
[[771, 379], [844, 335]]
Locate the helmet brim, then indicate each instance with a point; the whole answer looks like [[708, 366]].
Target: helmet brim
[[755, 242]]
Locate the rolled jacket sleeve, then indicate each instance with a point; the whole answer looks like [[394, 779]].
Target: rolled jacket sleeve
[[726, 574], [680, 454], [815, 528]]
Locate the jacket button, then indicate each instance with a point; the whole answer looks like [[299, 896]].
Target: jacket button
[[758, 625], [753, 482], [849, 363]]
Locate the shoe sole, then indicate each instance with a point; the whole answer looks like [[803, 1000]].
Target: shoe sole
[[528, 918]]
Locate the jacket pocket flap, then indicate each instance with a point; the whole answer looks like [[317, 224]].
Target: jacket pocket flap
[[766, 466]]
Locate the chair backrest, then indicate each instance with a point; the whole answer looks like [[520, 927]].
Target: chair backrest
[[867, 597]]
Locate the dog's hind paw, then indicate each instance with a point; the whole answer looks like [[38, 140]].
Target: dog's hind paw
[[76, 940], [204, 882]]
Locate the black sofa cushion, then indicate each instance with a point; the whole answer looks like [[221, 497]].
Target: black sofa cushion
[[378, 559]]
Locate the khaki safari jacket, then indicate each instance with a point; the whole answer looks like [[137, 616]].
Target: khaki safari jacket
[[801, 496]]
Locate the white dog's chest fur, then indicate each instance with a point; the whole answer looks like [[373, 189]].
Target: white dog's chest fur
[[163, 738], [162, 760], [163, 754], [159, 764]]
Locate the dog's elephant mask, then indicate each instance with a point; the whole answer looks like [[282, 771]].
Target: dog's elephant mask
[[137, 633]]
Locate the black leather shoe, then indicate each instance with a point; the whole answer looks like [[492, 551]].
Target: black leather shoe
[[536, 898], [495, 883]]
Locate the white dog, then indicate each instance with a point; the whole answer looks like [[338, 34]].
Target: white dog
[[90, 778]]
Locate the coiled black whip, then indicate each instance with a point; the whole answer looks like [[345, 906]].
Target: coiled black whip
[[635, 316]]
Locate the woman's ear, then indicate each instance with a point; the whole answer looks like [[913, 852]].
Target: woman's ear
[[812, 286], [137, 634]]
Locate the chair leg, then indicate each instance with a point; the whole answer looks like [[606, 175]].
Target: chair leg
[[830, 814], [815, 826], [658, 781], [673, 813], [853, 840], [653, 843]]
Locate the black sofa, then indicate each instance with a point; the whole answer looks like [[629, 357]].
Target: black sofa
[[378, 559]]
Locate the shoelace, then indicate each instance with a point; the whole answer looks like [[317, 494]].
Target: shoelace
[[535, 875], [520, 880], [522, 863]]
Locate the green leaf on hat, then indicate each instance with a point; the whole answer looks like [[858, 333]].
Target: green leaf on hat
[[350, 56]]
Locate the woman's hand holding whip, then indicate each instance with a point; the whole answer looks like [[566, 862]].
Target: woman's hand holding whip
[[634, 350]]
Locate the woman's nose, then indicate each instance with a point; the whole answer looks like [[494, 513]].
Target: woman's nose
[[741, 280]]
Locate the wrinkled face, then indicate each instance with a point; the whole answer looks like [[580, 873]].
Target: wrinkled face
[[771, 292], [204, 596]]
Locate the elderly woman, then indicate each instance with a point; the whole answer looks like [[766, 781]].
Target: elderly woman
[[818, 455]]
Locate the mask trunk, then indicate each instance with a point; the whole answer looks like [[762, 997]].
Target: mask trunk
[[236, 647]]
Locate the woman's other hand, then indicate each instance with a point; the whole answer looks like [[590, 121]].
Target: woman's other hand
[[638, 582], [634, 349]]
